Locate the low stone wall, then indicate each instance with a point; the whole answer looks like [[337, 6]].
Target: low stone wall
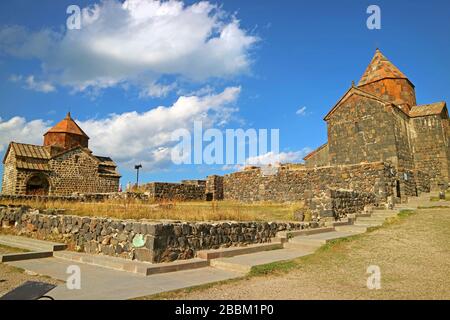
[[88, 197], [338, 203], [158, 191], [141, 240], [296, 185]]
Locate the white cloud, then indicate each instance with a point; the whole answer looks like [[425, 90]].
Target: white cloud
[[19, 130], [32, 84], [137, 42], [301, 111], [133, 137], [282, 157], [157, 90]]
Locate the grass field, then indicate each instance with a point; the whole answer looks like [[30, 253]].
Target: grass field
[[188, 211]]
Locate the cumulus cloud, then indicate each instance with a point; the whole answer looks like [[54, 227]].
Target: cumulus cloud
[[137, 42], [133, 137], [19, 130], [32, 84], [281, 157]]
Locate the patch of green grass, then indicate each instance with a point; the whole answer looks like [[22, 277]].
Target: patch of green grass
[[282, 266], [433, 207]]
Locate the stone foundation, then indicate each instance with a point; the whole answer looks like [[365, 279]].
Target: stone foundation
[[140, 240]]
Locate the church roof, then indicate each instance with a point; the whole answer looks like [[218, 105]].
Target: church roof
[[67, 125], [427, 109], [380, 68]]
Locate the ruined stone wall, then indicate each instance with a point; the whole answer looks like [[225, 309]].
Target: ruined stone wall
[[337, 203], [214, 188], [140, 240], [294, 185], [320, 158], [431, 147], [80, 197], [9, 174], [361, 130], [174, 191]]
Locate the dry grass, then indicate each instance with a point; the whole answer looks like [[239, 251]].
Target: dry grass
[[187, 211]]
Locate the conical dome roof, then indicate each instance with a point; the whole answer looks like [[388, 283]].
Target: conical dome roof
[[380, 68]]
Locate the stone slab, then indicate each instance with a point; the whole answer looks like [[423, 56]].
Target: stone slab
[[141, 268], [244, 263], [235, 251]]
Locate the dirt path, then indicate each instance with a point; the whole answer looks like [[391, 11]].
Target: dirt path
[[413, 254]]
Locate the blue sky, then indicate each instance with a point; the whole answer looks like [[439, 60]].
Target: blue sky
[[257, 64]]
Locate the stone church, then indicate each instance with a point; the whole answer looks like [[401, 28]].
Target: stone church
[[379, 120], [64, 165]]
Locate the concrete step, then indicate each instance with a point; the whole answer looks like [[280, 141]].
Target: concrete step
[[294, 233], [18, 256], [31, 244], [371, 219], [235, 251], [368, 224], [352, 228], [321, 238], [246, 262], [138, 267]]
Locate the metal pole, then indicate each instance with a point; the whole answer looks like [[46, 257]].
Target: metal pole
[[137, 167]]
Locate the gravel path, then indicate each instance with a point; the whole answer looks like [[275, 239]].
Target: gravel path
[[413, 255]]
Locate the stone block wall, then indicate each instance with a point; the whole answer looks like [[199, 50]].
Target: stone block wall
[[89, 197], [9, 174], [337, 203], [214, 187], [431, 147], [159, 191], [138, 239], [422, 181], [296, 185]]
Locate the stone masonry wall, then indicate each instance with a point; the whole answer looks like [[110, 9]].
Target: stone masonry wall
[[174, 191], [431, 148], [88, 197], [295, 185], [72, 172], [141, 240], [337, 203], [214, 188], [9, 174]]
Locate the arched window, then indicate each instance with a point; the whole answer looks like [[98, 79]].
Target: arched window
[[38, 185]]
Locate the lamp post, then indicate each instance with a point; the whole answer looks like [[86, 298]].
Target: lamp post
[[137, 167]]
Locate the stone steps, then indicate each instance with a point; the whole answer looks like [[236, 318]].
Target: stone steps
[[138, 267], [321, 238], [352, 228], [294, 233], [235, 251], [245, 263], [18, 256], [30, 244]]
